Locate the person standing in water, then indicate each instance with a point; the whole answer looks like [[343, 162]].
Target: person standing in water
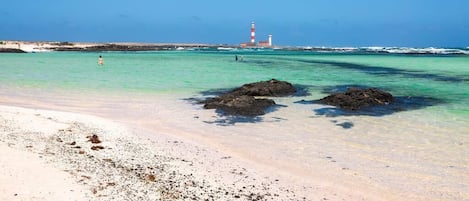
[[100, 60]]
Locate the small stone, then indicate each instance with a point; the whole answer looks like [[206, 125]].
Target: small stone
[[151, 178], [94, 139], [97, 148]]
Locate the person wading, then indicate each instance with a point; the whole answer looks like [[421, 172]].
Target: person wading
[[100, 60]]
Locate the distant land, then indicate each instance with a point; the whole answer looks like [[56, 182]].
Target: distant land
[[45, 46]]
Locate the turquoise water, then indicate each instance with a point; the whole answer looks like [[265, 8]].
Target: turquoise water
[[445, 78], [421, 152]]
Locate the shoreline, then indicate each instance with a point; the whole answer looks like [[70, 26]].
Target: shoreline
[[129, 165], [50, 46], [329, 168]]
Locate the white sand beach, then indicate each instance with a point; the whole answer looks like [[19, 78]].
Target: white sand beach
[[160, 147], [49, 155], [164, 148]]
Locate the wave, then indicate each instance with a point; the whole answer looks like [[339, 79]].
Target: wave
[[392, 50], [410, 50]]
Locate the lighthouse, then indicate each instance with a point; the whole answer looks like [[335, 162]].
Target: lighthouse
[[252, 43], [253, 33]]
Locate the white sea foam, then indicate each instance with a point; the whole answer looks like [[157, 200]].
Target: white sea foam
[[411, 50], [391, 50]]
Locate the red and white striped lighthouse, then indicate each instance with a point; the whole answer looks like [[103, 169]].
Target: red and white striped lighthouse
[[253, 33]]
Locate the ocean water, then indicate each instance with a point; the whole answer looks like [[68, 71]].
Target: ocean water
[[440, 81], [418, 150]]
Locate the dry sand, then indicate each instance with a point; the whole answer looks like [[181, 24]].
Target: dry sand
[[51, 156]]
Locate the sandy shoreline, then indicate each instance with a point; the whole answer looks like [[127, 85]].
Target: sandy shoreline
[[124, 166], [165, 131]]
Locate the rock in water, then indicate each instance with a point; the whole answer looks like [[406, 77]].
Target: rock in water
[[271, 87], [241, 101], [356, 98], [239, 105]]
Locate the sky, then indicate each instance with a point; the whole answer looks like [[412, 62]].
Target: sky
[[331, 23]]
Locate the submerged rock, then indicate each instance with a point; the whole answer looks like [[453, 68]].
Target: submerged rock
[[239, 105], [241, 101], [356, 98]]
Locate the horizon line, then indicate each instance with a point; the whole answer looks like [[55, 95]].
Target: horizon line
[[224, 44]]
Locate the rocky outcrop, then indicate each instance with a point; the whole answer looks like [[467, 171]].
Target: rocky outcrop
[[272, 87], [65, 46], [106, 47], [239, 105], [241, 101], [356, 98], [11, 50]]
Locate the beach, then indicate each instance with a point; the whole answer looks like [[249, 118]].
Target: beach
[[55, 148], [156, 143]]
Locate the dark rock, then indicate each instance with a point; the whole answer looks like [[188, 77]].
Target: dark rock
[[95, 148], [11, 50], [272, 87], [239, 105], [356, 98], [123, 47], [94, 139], [241, 101]]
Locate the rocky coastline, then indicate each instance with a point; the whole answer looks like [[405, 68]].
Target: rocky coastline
[[40, 46], [33, 47], [127, 47], [11, 50]]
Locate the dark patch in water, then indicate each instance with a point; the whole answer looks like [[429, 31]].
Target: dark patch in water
[[259, 62], [194, 101], [374, 70], [224, 119], [301, 90], [278, 119], [399, 104], [304, 102], [346, 125], [215, 92], [229, 120]]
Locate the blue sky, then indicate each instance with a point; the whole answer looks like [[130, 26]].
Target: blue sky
[[419, 23]]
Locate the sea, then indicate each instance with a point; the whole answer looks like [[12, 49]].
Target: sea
[[416, 148]]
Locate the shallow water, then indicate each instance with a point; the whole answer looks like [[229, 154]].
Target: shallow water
[[420, 152], [439, 77]]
